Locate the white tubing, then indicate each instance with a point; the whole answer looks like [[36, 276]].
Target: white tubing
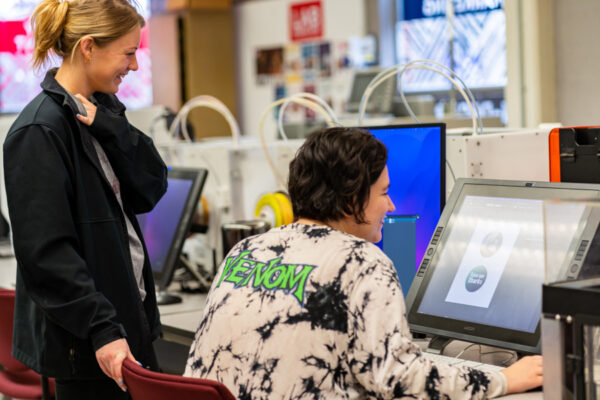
[[307, 103], [455, 76], [209, 102], [310, 96], [399, 69]]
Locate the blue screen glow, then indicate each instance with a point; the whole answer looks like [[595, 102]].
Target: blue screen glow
[[160, 225], [416, 154]]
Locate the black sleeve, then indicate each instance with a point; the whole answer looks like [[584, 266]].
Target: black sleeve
[[40, 195], [132, 155]]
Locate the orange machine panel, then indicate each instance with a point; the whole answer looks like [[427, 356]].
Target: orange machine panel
[[575, 154]]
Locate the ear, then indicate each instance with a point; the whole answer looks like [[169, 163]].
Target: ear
[[86, 45]]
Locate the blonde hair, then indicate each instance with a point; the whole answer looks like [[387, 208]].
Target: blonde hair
[[59, 26]]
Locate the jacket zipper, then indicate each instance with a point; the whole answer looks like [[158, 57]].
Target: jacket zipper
[[72, 359]]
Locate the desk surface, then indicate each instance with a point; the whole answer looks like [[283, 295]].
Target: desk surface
[[8, 272], [181, 320], [190, 303]]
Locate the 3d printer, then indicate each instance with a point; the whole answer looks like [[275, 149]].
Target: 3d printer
[[570, 312]]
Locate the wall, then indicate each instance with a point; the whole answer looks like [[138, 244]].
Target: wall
[[164, 39], [209, 66], [264, 24], [577, 57], [553, 56], [193, 54], [530, 91]]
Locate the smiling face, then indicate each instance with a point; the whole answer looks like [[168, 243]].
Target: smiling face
[[378, 205], [109, 64]]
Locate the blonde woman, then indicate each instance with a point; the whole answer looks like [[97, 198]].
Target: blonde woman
[[76, 173]]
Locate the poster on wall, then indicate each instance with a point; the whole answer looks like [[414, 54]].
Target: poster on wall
[[325, 60], [292, 63], [269, 65], [310, 61], [306, 20], [324, 68], [294, 112]]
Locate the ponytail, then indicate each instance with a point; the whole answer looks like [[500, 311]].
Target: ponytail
[[59, 26], [48, 22]]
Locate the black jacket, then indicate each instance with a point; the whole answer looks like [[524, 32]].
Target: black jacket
[[76, 289]]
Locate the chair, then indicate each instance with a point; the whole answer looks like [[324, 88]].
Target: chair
[[149, 385], [16, 380]]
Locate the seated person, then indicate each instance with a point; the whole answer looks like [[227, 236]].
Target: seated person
[[315, 310]]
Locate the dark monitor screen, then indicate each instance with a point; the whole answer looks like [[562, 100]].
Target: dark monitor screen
[[360, 83], [167, 225], [416, 166], [483, 281], [381, 98]]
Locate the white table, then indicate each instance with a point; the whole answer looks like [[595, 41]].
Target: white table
[[181, 320]]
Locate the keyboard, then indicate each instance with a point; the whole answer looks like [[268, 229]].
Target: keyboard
[[459, 362]]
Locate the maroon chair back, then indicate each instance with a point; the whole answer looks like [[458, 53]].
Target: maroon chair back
[[17, 380], [148, 385], [7, 309]]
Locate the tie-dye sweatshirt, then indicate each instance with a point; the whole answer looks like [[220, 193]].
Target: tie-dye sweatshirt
[[309, 312]]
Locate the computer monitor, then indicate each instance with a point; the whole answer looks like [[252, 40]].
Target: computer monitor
[[167, 225], [416, 166], [380, 100], [481, 279]]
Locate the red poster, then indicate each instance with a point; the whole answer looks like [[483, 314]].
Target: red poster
[[13, 36], [306, 20]]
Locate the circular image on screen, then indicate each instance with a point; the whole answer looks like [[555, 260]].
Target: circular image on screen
[[475, 278], [491, 244]]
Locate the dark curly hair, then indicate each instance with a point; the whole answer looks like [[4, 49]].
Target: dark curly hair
[[332, 174]]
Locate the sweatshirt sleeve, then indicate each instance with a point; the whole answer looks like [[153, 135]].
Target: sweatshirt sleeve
[[385, 360], [134, 158]]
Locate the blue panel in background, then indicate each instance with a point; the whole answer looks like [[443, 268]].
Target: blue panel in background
[[416, 160], [414, 9], [399, 241]]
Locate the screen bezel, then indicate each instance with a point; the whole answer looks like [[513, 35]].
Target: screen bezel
[[164, 275], [521, 341]]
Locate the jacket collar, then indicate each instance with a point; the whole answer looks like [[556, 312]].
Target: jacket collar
[[51, 86], [61, 96]]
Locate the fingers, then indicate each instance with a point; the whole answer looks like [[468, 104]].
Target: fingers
[[117, 370], [105, 368], [132, 358], [112, 367], [83, 99], [84, 119], [90, 109], [536, 363], [110, 359], [525, 374]]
